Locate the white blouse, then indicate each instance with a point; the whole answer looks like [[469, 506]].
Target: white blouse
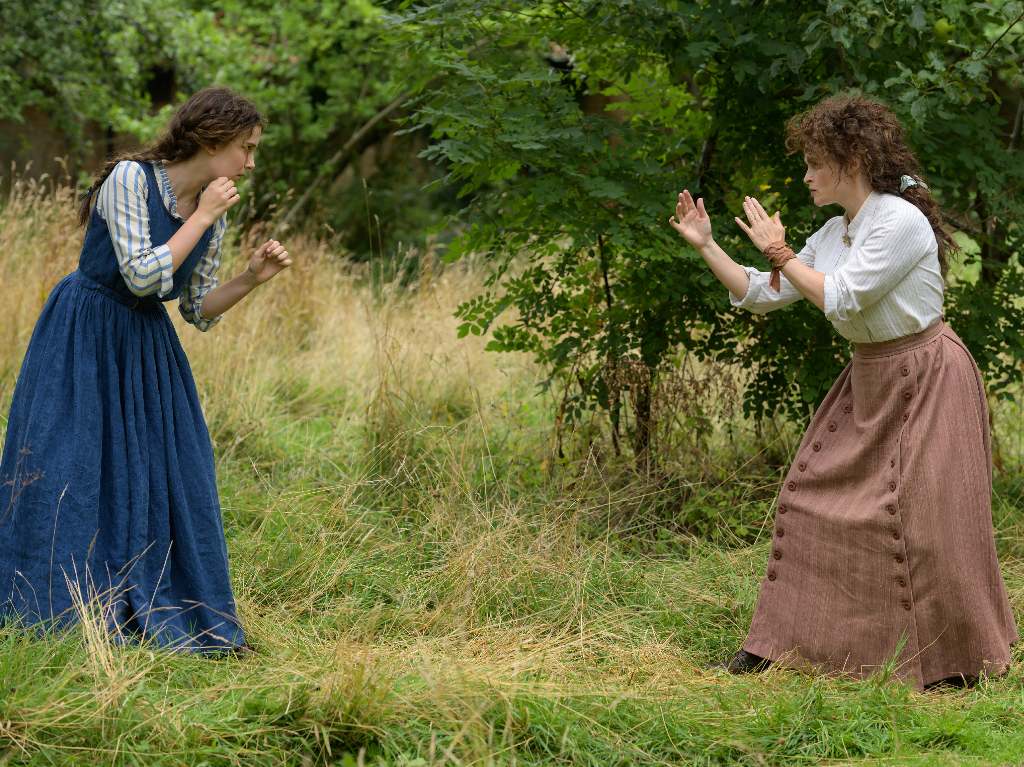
[[884, 285], [147, 270]]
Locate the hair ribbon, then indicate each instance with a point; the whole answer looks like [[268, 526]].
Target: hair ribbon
[[908, 181]]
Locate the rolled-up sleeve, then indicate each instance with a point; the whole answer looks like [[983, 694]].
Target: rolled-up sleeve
[[202, 280], [122, 203], [898, 241], [760, 297]]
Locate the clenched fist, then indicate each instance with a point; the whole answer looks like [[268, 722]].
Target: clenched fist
[[267, 260], [219, 195]]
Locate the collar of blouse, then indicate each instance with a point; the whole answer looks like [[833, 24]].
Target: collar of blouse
[[865, 214]]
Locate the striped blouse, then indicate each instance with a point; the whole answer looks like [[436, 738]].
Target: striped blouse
[[885, 284], [148, 270]]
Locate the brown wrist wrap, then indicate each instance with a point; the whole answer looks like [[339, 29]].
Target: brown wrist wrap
[[778, 253]]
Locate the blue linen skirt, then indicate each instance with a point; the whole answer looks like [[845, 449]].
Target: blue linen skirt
[[108, 495]]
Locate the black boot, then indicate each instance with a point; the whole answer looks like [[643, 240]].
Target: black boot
[[241, 651], [953, 682], [744, 662]]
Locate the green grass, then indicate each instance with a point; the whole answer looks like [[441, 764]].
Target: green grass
[[425, 593]]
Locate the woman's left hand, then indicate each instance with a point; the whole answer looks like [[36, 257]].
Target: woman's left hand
[[267, 260], [763, 229]]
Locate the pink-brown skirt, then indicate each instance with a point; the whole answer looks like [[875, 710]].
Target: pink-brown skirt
[[883, 553]]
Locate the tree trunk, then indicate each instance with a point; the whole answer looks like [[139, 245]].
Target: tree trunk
[[994, 253], [611, 362], [642, 394]]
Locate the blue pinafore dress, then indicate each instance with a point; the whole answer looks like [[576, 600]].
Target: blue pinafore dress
[[108, 497]]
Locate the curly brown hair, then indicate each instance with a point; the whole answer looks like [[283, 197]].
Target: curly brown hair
[[852, 132], [210, 118]]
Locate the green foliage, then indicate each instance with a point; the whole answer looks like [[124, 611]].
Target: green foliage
[[568, 165], [316, 68], [571, 173], [51, 52], [990, 320], [319, 71]]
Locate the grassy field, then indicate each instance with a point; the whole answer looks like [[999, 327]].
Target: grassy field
[[426, 583]]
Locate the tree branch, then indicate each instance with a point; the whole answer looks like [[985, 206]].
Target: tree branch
[[1005, 31], [347, 147], [356, 137]]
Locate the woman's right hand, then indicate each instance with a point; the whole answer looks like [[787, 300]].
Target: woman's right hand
[[219, 195], [691, 220]]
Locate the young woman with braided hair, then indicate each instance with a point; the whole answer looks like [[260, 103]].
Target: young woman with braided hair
[[107, 486], [883, 545]]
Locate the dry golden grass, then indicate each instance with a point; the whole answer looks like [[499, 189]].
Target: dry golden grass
[[321, 323]]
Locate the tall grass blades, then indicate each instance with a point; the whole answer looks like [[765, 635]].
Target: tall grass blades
[[427, 582]]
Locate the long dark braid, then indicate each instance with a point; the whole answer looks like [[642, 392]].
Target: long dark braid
[[846, 130], [210, 118]]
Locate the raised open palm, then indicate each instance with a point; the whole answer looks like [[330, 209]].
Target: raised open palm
[[763, 229], [691, 220]]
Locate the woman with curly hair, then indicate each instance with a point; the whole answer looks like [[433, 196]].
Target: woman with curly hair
[[883, 550], [108, 498]]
